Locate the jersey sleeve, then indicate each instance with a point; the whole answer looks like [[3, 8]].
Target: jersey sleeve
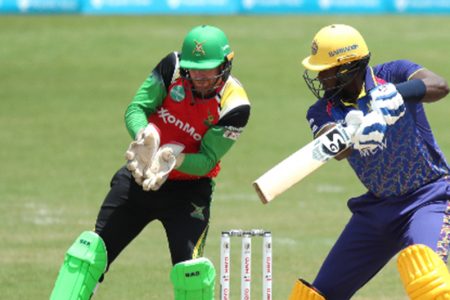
[[150, 94], [319, 115], [218, 140], [396, 71]]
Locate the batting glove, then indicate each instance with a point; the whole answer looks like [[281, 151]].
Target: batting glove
[[388, 101], [163, 163], [142, 151], [369, 134]]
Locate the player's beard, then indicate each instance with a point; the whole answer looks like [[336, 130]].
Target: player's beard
[[349, 91], [206, 92]]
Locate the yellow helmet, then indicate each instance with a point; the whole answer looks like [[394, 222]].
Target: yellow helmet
[[335, 45]]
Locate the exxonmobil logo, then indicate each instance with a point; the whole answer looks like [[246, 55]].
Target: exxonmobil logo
[[168, 118]]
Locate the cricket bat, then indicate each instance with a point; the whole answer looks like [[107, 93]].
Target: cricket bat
[[303, 162]]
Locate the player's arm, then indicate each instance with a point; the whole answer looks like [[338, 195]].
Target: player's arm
[[414, 82], [436, 87], [217, 141], [422, 85], [150, 94], [387, 108], [148, 98], [320, 121]]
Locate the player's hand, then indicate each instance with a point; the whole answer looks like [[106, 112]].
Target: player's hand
[[370, 130], [142, 151], [163, 163], [353, 120], [387, 100]]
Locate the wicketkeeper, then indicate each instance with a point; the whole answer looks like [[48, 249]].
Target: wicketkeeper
[[183, 119], [406, 209]]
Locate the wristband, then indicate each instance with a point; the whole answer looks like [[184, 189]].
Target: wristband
[[412, 90]]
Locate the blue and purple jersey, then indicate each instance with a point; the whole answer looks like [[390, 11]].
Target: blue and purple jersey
[[410, 157]]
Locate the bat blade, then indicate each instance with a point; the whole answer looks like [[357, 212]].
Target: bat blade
[[302, 163]]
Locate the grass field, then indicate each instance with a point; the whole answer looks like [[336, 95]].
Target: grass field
[[65, 82]]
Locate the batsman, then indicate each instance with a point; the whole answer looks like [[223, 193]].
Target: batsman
[[184, 118], [406, 209]]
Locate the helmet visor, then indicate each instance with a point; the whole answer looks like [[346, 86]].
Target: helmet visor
[[200, 64]]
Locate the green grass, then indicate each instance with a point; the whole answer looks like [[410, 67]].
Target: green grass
[[65, 82]]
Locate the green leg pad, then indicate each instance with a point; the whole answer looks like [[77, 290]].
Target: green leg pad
[[194, 279], [84, 263]]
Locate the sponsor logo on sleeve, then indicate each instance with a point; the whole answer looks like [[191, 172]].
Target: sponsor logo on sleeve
[[232, 132]]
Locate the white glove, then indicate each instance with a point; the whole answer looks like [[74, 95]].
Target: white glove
[[163, 163], [387, 100], [142, 151], [370, 130], [353, 120]]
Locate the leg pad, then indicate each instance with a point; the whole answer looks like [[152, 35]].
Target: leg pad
[[193, 279], [423, 273], [84, 263], [302, 290]]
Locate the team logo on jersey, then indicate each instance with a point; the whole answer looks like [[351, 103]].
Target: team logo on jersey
[[198, 212], [209, 121], [198, 49], [314, 47], [177, 93]]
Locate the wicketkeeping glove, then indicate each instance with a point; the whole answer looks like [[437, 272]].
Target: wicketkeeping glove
[[163, 163], [142, 151], [370, 130], [387, 100]]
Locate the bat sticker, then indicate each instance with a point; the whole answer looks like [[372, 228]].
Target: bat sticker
[[330, 144]]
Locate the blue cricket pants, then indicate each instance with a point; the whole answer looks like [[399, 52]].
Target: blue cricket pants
[[378, 230]]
